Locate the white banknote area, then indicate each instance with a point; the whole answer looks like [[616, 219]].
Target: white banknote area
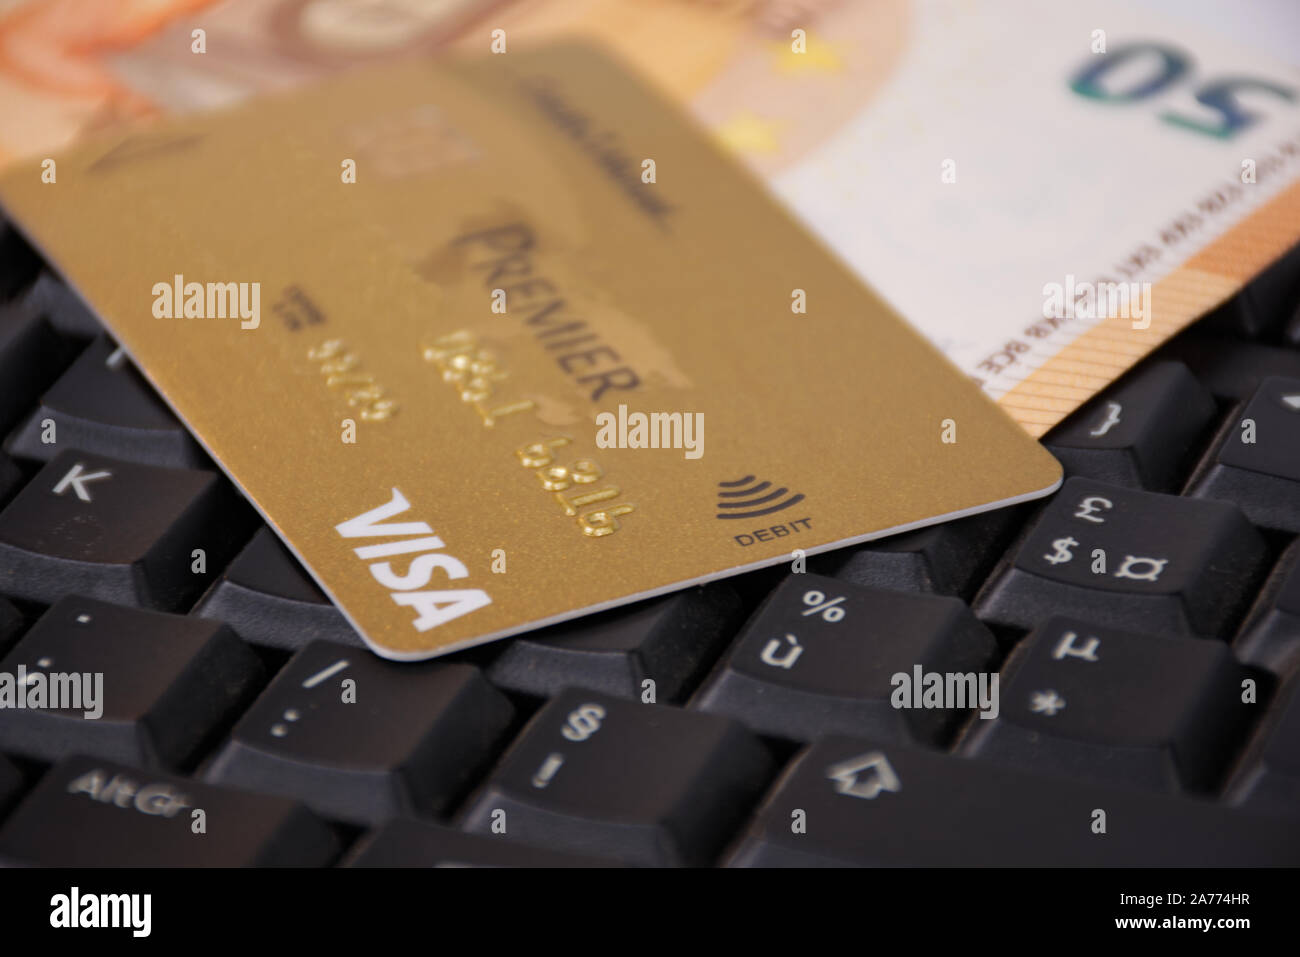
[[1047, 183]]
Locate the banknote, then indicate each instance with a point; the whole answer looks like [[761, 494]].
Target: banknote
[[1046, 191]]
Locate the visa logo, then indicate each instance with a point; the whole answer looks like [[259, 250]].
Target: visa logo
[[433, 608]]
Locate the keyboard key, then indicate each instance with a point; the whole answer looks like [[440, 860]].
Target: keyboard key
[[165, 684], [122, 532], [1269, 775], [266, 598], [1291, 333], [1229, 368], [102, 405], [50, 297], [362, 739], [949, 559], [11, 624], [866, 805], [1132, 560], [821, 655], [407, 843], [637, 783], [11, 785], [11, 477], [19, 263], [1135, 709], [1255, 462], [1138, 433], [1271, 636], [86, 812], [668, 641], [1264, 304], [31, 355]]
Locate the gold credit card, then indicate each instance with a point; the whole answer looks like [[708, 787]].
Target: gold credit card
[[496, 343]]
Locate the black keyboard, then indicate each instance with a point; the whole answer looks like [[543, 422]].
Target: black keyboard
[[1144, 623]]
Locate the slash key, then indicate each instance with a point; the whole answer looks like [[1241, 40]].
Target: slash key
[[361, 739]]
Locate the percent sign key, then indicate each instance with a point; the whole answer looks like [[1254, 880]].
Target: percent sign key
[[821, 655], [819, 603]]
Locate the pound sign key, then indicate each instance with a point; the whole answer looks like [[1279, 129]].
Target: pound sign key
[[1130, 560], [1090, 506]]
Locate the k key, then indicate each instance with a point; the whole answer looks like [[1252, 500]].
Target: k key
[[131, 534]]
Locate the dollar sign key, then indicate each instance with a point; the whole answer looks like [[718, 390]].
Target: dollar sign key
[[1062, 553]]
